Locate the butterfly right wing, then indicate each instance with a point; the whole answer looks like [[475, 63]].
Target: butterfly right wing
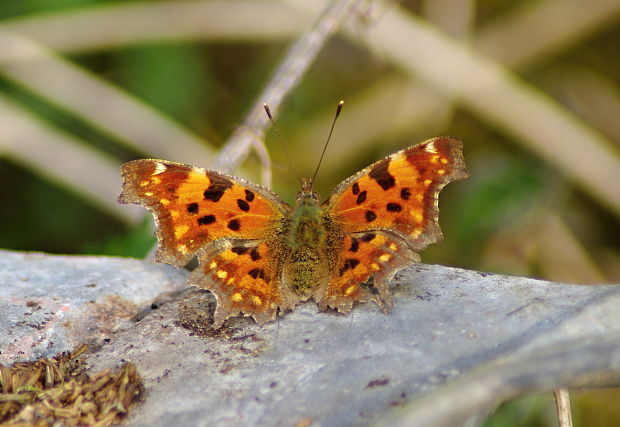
[[245, 276], [400, 192], [223, 220], [194, 207]]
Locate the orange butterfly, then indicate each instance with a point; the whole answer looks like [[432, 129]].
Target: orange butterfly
[[261, 256]]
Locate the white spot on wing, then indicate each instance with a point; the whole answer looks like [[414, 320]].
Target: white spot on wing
[[159, 168], [430, 147]]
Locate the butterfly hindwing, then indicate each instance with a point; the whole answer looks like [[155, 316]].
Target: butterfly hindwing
[[245, 278], [366, 263], [194, 206]]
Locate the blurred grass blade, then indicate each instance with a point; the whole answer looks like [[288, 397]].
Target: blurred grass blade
[[119, 25], [62, 158], [454, 17], [107, 26], [592, 95], [398, 105], [525, 34], [406, 117], [104, 106], [560, 255], [297, 59]]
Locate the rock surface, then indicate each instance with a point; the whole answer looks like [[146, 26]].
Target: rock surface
[[50, 304], [451, 332]]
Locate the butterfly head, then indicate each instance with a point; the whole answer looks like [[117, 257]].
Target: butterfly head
[[307, 194]]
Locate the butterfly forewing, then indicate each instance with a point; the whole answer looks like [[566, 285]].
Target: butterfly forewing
[[194, 206], [400, 192]]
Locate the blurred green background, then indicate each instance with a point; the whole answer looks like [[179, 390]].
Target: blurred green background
[[531, 87]]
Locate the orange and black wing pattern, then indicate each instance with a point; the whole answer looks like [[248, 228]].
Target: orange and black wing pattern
[[387, 213], [400, 192], [194, 206], [245, 278], [366, 262]]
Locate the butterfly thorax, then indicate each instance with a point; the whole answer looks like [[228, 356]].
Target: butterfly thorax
[[306, 243], [307, 228]]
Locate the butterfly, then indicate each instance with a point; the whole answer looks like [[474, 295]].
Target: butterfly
[[261, 256]]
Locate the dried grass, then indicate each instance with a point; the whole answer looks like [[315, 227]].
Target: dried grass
[[57, 391]]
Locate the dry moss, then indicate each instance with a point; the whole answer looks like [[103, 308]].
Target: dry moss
[[57, 391]]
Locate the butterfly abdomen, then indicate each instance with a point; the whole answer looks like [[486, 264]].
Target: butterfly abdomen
[[303, 270]]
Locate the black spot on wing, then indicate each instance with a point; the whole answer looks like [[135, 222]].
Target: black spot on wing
[[353, 262], [370, 216], [239, 250], [355, 188], [192, 208], [355, 245], [381, 174], [254, 254], [257, 272], [217, 188], [243, 205], [349, 264], [249, 196], [394, 207], [368, 237], [361, 197], [234, 224], [206, 220], [405, 193]]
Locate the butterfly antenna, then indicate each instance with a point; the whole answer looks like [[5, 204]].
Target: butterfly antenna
[[329, 137], [275, 126]]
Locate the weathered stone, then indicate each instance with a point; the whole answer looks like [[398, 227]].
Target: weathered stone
[[50, 304], [450, 329]]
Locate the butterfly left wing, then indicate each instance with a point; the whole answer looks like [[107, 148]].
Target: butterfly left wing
[[395, 200]]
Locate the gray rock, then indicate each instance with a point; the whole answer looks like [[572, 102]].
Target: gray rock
[[50, 304], [456, 343]]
